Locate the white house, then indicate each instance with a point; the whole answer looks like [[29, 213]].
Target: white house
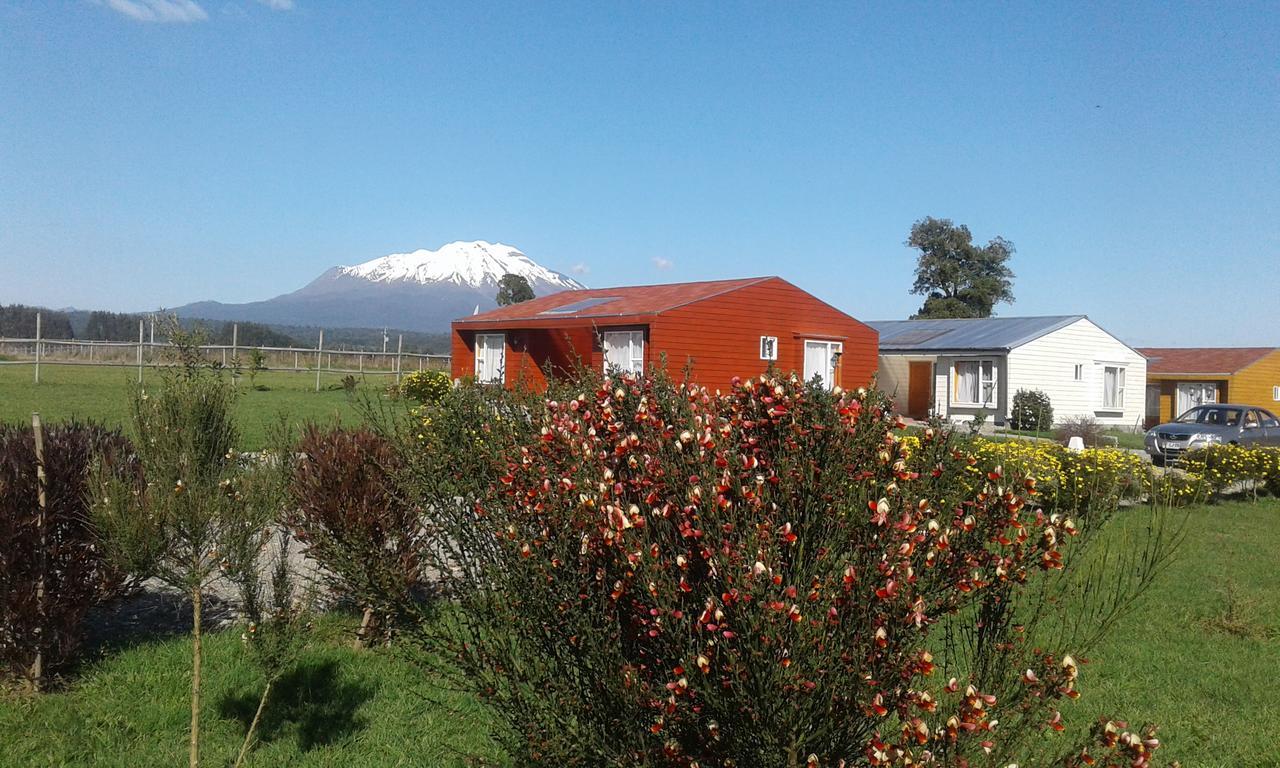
[[958, 368]]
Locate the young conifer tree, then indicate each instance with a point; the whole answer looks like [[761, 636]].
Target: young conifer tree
[[174, 526]]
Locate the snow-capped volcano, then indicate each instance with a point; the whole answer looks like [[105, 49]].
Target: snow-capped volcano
[[422, 290], [477, 263]]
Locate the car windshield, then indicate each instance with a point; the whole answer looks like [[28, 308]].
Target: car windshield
[[1225, 417]]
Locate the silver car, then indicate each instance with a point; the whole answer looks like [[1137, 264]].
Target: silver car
[[1216, 424]]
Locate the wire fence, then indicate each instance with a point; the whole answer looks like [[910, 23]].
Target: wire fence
[[146, 353]]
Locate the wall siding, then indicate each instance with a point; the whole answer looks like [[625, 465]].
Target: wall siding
[[1048, 364], [894, 378], [1254, 385], [529, 353], [720, 336]]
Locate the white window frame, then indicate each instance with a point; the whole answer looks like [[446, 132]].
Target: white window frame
[[487, 343], [833, 349], [988, 386], [768, 347], [1117, 403], [635, 351], [1078, 373], [1275, 393], [1189, 394]]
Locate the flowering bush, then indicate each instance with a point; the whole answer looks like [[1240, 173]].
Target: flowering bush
[[426, 386], [1070, 479], [1223, 467], [50, 574], [651, 575]]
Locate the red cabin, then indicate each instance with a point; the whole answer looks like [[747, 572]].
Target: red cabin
[[722, 328]]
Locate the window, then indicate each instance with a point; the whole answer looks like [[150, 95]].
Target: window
[[822, 359], [1206, 414], [623, 351], [975, 382], [1079, 372], [1113, 387], [1275, 394], [768, 347], [491, 357], [1191, 394]]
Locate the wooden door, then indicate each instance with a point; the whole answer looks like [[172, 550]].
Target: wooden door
[[919, 388]]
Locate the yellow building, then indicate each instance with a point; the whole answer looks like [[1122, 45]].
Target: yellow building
[[1179, 378]]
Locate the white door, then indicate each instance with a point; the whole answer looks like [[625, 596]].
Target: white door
[[491, 357], [821, 359], [1191, 394], [623, 351]]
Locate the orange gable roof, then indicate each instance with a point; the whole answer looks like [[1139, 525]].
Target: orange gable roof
[[598, 303], [1202, 360]]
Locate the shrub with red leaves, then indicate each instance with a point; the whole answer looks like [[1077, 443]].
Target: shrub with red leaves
[[63, 553], [346, 512], [660, 575]]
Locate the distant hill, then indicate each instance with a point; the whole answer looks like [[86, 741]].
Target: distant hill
[[420, 291]]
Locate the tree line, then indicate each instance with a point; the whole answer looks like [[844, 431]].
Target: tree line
[[18, 321]]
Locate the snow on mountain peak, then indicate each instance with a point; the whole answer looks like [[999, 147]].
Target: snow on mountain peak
[[476, 263]]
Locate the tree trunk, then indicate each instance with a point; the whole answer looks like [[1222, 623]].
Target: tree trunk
[[195, 677], [253, 726], [368, 625], [37, 666]]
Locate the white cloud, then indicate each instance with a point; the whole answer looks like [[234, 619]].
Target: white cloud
[[160, 11], [278, 5], [662, 263], [580, 269]]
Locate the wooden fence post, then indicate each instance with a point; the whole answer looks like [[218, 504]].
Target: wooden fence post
[[37, 347], [37, 666], [141, 324], [319, 352], [399, 351]]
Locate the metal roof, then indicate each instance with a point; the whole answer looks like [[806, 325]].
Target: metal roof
[[966, 335], [623, 301]]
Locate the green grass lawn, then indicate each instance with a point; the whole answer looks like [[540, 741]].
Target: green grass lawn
[[1124, 438], [1199, 654], [102, 394], [341, 707]]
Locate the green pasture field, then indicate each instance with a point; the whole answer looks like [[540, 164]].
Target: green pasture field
[[102, 394]]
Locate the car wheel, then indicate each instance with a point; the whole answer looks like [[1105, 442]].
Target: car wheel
[[1157, 460]]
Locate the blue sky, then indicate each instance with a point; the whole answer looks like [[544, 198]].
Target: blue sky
[[154, 152]]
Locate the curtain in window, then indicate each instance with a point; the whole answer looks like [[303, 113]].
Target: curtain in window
[[1112, 387], [967, 385], [623, 351], [490, 357]]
